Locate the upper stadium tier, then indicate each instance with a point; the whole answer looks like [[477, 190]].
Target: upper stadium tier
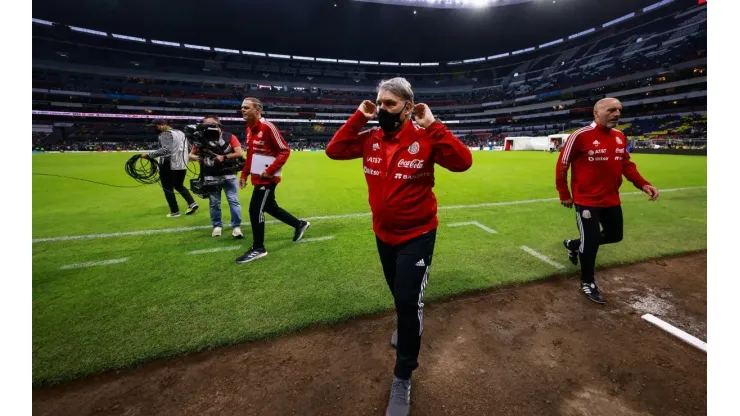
[[662, 35], [654, 60]]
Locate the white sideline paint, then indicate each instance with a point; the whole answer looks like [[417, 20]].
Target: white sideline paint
[[214, 250], [696, 342], [93, 263], [542, 257], [325, 217], [475, 223], [311, 240]]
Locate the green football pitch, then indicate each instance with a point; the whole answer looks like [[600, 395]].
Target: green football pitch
[[116, 282]]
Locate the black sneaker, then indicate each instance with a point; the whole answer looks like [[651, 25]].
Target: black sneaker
[[300, 230], [572, 254], [252, 254], [191, 209], [592, 292]]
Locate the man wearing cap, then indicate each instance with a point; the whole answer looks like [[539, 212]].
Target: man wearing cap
[[173, 164]]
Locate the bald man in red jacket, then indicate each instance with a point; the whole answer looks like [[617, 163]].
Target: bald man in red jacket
[[597, 157]]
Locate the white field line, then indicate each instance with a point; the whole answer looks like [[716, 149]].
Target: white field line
[[325, 217], [683, 336], [311, 240], [542, 257], [214, 250], [93, 263], [475, 223]]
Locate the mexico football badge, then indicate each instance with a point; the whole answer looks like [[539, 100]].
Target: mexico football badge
[[414, 148]]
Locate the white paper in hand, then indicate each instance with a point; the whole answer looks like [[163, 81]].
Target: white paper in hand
[[262, 162]]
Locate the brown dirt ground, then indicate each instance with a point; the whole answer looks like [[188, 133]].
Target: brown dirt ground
[[537, 349]]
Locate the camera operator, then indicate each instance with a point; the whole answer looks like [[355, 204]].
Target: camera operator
[[173, 165], [214, 171]]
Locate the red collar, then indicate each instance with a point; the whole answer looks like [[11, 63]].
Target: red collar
[[256, 124], [600, 126]]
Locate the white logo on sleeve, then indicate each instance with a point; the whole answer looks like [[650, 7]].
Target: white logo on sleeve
[[619, 141], [371, 171], [586, 214], [420, 263], [414, 148]]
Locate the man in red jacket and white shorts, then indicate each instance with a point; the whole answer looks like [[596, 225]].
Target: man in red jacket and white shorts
[[398, 160], [267, 152], [598, 158]]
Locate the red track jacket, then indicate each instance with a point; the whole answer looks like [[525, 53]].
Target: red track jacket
[[400, 172], [598, 158], [264, 138]]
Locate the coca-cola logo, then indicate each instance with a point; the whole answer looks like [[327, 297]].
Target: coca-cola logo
[[411, 164]]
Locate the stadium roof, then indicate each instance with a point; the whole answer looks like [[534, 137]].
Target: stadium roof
[[449, 4], [345, 28]]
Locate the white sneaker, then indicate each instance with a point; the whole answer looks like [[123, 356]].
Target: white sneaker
[[237, 232], [216, 232]]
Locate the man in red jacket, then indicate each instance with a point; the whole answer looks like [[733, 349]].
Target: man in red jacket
[[598, 159], [398, 160], [267, 152]]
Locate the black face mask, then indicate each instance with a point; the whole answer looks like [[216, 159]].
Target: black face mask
[[389, 121]]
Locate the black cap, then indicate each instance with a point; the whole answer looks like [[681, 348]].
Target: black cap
[[158, 122]]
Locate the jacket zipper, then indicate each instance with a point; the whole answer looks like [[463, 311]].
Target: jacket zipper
[[388, 169], [385, 175]]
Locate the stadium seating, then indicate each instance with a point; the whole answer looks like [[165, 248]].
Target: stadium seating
[[655, 63]]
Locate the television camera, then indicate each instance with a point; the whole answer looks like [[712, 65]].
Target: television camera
[[207, 137]]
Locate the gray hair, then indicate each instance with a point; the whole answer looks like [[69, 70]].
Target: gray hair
[[398, 86], [256, 102]]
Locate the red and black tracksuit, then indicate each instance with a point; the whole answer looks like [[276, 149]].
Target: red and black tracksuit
[[399, 171], [263, 138], [597, 157]]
